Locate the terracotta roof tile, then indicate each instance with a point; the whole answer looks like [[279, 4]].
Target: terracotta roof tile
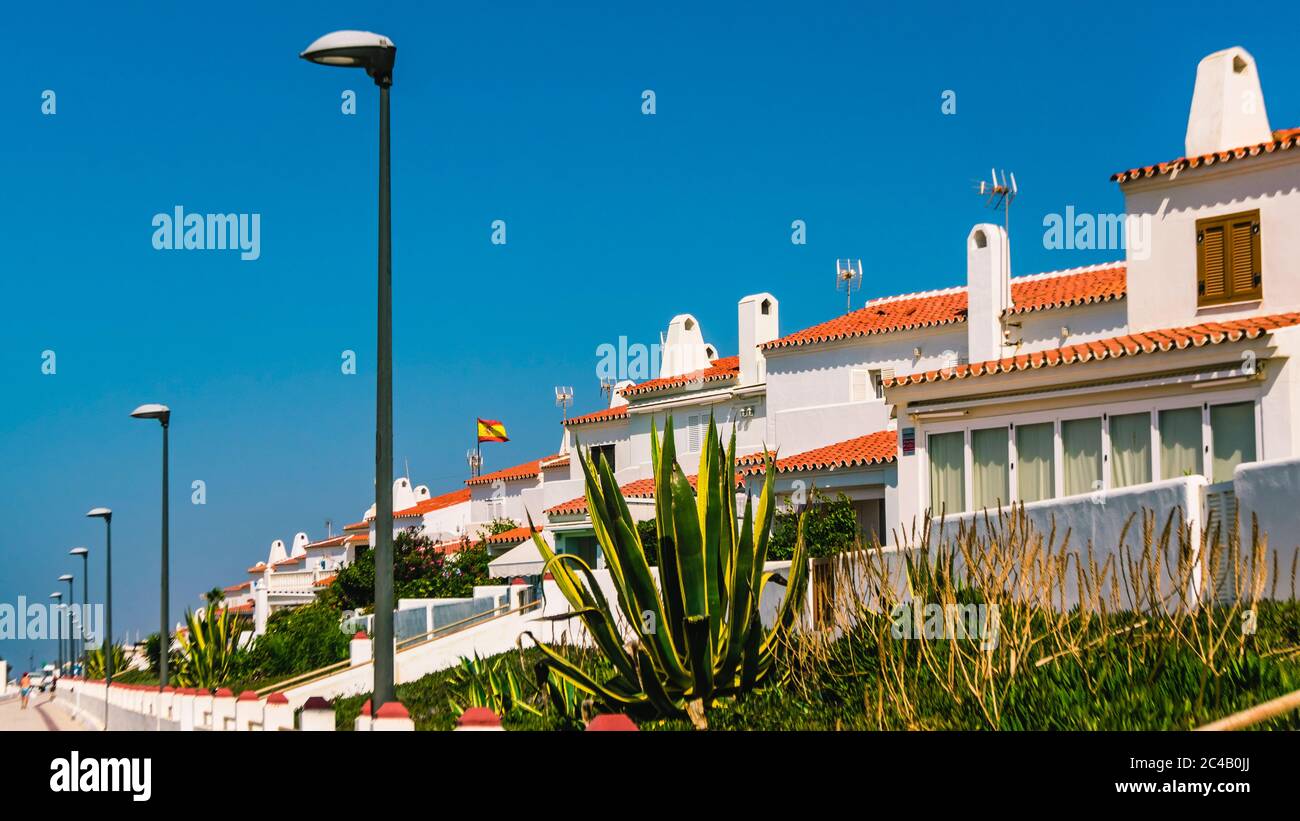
[[362, 525], [1208, 333], [719, 370], [513, 536], [606, 415], [559, 460], [525, 471], [871, 449], [235, 588], [333, 541], [1282, 141], [436, 503], [928, 310], [325, 582]]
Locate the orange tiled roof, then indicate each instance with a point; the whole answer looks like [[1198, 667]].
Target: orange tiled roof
[[290, 560], [325, 582], [1282, 140], [559, 460], [246, 607], [436, 503], [1207, 333], [333, 541], [513, 536], [1039, 292], [235, 588], [640, 489], [257, 568], [362, 525], [525, 471], [356, 538], [719, 370], [606, 415], [872, 449]]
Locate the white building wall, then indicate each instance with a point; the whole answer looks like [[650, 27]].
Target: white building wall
[[1162, 283]]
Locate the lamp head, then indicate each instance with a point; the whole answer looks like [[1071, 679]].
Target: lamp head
[[66, 577], [153, 411], [79, 551], [100, 513], [56, 596], [355, 49]]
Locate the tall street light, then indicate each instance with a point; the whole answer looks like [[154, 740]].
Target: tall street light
[[72, 597], [163, 414], [376, 54], [85, 600], [107, 641], [57, 607]]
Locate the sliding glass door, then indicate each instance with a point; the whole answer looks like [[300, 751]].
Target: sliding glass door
[[1035, 461], [947, 472]]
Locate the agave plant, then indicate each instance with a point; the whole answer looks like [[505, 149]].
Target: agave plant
[[695, 632], [209, 648], [487, 683], [95, 661]]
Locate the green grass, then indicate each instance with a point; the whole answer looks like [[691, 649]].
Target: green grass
[[1134, 681]]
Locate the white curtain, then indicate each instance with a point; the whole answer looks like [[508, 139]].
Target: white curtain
[[947, 473], [1180, 443], [1081, 446], [1035, 461], [1232, 427], [1130, 449], [992, 480]]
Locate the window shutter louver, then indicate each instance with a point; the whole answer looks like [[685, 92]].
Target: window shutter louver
[[1228, 259]]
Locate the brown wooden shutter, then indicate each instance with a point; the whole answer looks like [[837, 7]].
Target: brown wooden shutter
[[1244, 257], [1211, 264], [1227, 259]]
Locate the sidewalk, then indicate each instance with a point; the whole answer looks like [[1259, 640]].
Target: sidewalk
[[42, 714]]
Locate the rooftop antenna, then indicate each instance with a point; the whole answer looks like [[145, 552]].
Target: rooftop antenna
[[329, 528], [564, 399], [475, 459], [607, 384], [848, 278]]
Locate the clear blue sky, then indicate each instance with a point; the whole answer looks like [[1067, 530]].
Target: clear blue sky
[[529, 113]]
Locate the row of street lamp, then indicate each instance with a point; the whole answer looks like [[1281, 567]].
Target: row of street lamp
[[375, 54]]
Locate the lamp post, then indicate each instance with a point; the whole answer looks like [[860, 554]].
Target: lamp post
[[163, 414], [107, 641], [59, 638], [376, 54], [85, 600], [72, 598]]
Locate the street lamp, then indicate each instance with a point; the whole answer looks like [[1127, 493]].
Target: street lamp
[[85, 599], [106, 641], [376, 54], [163, 414], [57, 607], [67, 577]]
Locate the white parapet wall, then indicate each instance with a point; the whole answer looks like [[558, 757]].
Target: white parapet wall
[[1109, 521], [1268, 496]]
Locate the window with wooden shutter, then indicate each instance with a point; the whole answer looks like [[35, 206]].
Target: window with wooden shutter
[[1228, 265]]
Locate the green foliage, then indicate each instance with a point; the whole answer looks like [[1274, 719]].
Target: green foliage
[[499, 525], [210, 654], [214, 596], [95, 662], [418, 572], [698, 637], [299, 640], [491, 684], [830, 526], [648, 531]]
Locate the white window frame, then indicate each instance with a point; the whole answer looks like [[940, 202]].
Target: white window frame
[[1100, 411]]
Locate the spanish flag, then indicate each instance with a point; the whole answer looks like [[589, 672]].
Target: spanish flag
[[490, 430]]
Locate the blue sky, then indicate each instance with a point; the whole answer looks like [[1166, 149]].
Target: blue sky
[[528, 113]]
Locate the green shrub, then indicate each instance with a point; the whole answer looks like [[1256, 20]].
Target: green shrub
[[298, 640], [831, 527]]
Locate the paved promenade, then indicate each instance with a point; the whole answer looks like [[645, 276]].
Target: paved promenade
[[41, 715]]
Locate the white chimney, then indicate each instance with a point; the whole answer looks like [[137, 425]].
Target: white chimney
[[988, 290], [300, 542], [277, 552], [1227, 104], [616, 397], [683, 349], [757, 323]]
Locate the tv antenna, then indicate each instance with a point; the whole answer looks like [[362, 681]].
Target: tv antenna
[[607, 384], [329, 528], [1000, 193], [848, 278], [475, 459], [564, 399]]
